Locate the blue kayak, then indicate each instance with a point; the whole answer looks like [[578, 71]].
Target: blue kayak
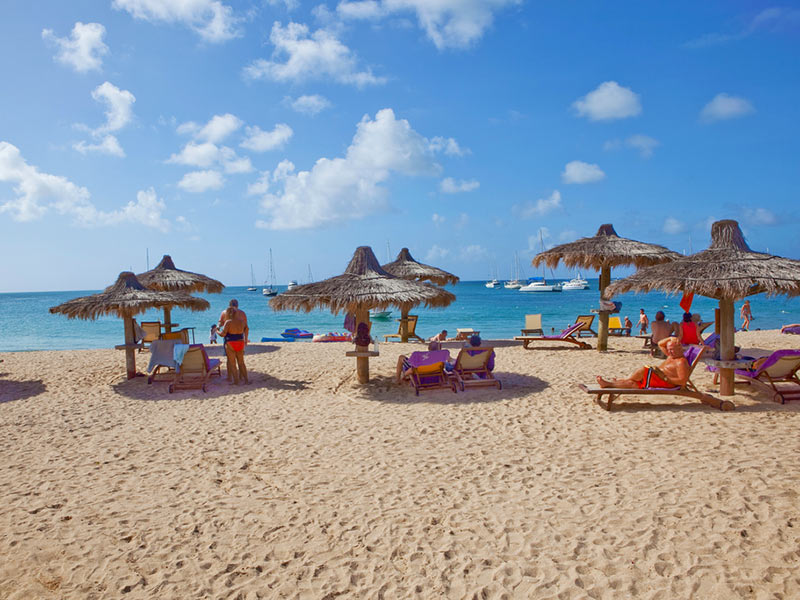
[[296, 333], [280, 339]]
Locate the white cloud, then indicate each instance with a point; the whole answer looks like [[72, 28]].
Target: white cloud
[[260, 186], [760, 216], [568, 235], [83, 50], [473, 252], [204, 152], [449, 146], [609, 101], [309, 105], [541, 207], [771, 20], [643, 143], [581, 172], [217, 129], [438, 219], [201, 181], [234, 164], [197, 155], [535, 242], [37, 193], [673, 226], [290, 5], [723, 107], [349, 188], [436, 254], [119, 107], [260, 141], [211, 19], [448, 23], [108, 145], [448, 185], [319, 55]]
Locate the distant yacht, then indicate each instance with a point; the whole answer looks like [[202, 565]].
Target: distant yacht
[[577, 283], [541, 286], [493, 284], [291, 285], [253, 286], [514, 284]]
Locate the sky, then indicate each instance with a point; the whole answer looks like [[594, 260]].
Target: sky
[[470, 131]]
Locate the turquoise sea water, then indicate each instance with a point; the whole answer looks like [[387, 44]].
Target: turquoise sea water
[[26, 324]]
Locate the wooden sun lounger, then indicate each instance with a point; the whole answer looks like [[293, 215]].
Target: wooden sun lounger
[[586, 325], [568, 335], [688, 390]]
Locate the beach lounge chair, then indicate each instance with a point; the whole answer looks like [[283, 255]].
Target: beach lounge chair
[[776, 375], [533, 325], [162, 359], [426, 371], [586, 329], [464, 333], [195, 369], [615, 326], [181, 336], [567, 335], [693, 355], [471, 369], [152, 331], [412, 329]]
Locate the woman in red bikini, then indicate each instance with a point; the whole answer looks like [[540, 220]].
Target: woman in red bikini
[[233, 330], [673, 372]]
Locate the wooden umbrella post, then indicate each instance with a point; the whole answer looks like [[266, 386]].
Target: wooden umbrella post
[[167, 319], [602, 326], [362, 362], [404, 325], [726, 339], [130, 343]]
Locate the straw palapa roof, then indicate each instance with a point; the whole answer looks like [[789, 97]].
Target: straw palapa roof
[[726, 269], [363, 285], [605, 249], [126, 297], [167, 277], [405, 267]]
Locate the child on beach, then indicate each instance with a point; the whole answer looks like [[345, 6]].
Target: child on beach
[[643, 322], [213, 335]]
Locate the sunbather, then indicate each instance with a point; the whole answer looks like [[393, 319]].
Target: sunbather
[[791, 328], [673, 372]]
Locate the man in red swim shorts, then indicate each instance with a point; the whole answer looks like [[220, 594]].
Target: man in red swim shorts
[[673, 372]]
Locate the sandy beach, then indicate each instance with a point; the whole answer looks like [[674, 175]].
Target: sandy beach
[[304, 484]]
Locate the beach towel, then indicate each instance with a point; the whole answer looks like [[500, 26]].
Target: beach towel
[[178, 352], [161, 354]]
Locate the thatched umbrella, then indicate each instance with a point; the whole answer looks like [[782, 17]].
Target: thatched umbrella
[[728, 270], [602, 252], [364, 285], [168, 278], [126, 298], [405, 267]]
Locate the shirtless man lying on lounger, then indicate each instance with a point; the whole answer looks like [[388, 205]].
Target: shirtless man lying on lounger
[[673, 372]]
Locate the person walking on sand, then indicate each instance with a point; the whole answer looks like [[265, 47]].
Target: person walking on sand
[[746, 314], [673, 372], [233, 332], [643, 322]]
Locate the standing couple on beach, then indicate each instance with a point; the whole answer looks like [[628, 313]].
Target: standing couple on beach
[[235, 331]]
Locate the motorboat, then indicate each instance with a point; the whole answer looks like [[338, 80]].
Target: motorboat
[[493, 284], [291, 285], [380, 315], [575, 284], [541, 286], [512, 285]]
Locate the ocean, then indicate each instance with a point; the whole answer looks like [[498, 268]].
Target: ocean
[[26, 323]]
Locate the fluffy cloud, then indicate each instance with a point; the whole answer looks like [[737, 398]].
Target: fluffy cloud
[[108, 145], [473, 252], [317, 55], [609, 101], [37, 193], [211, 19], [643, 143], [760, 216], [349, 187], [448, 23], [309, 105], [539, 208], [449, 146], [83, 50], [288, 4], [260, 141], [218, 128], [723, 107], [438, 219], [201, 181], [772, 20], [581, 172], [119, 113], [436, 254], [673, 226], [204, 152], [449, 185]]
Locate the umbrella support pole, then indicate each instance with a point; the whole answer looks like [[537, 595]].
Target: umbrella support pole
[[362, 362], [130, 352], [167, 319], [602, 321], [726, 346], [404, 325]]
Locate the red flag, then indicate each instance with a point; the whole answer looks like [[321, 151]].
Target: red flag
[[686, 301]]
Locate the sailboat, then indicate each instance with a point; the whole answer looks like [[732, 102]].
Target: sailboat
[[270, 290], [252, 287], [515, 283], [493, 283], [541, 285]]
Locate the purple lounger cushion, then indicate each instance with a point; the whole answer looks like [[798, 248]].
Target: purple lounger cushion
[[795, 330]]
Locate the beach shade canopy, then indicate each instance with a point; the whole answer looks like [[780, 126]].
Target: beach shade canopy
[[125, 298], [602, 252], [405, 267], [364, 285], [168, 278], [728, 270]]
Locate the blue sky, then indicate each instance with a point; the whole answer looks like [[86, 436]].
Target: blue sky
[[213, 130]]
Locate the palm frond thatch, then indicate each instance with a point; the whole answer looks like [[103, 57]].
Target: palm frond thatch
[[405, 267], [126, 297], [605, 249], [363, 285], [727, 269], [167, 277]]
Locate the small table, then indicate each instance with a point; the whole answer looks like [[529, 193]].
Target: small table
[[648, 340], [736, 363]]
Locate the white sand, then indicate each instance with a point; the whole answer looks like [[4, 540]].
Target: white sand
[[305, 485]]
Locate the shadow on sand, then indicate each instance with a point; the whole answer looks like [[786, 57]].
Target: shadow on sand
[[19, 390], [139, 389]]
